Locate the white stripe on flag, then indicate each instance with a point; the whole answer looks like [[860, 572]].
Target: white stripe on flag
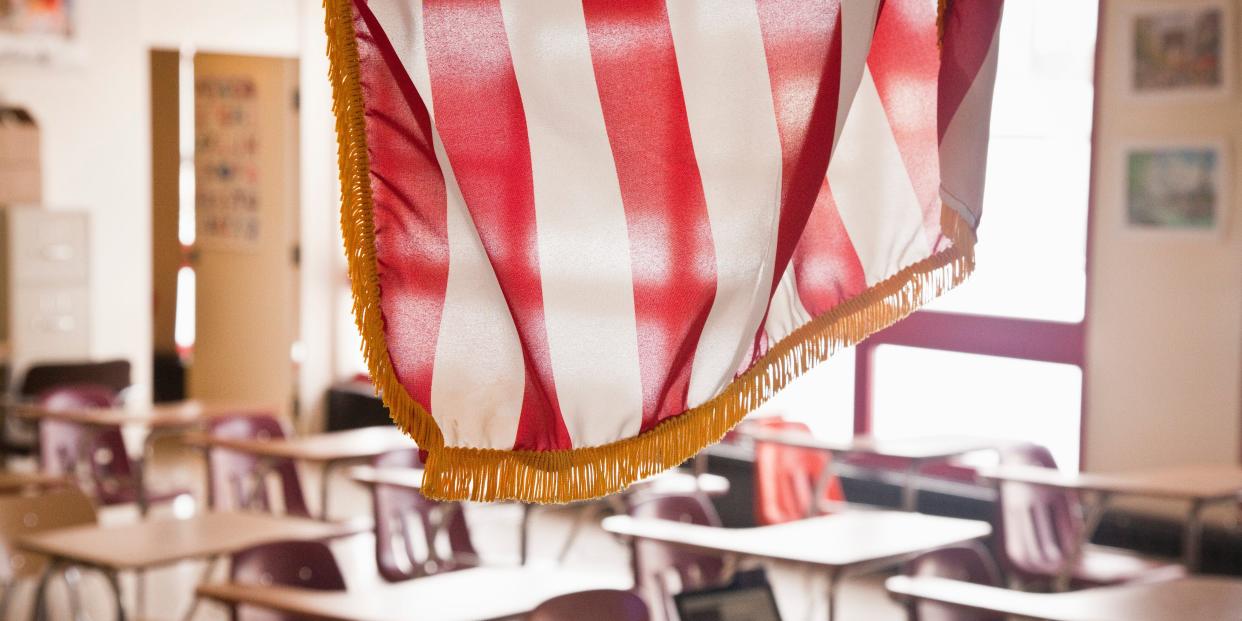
[[728, 92], [478, 343], [583, 239], [858, 18], [964, 148], [786, 312], [873, 190]]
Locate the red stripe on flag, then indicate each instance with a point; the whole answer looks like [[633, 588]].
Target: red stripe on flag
[[826, 267], [671, 251], [905, 63], [407, 190], [969, 27], [802, 42], [483, 126]]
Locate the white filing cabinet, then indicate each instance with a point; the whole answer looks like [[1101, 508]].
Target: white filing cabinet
[[44, 287]]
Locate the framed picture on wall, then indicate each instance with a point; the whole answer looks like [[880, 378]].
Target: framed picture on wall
[[1181, 49], [39, 30], [1177, 187]]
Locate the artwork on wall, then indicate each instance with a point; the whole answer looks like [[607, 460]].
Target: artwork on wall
[[1182, 49], [1177, 187], [226, 163], [38, 30]]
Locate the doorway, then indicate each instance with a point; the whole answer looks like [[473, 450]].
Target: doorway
[[225, 227]]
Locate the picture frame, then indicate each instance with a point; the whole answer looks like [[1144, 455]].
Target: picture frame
[[1177, 188], [40, 31], [1179, 50]]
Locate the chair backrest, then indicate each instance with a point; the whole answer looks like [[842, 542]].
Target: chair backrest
[[602, 605], [232, 480], [24, 515], [62, 443], [302, 564], [1038, 526], [785, 476], [39, 378], [662, 570], [965, 563], [406, 527], [78, 396]]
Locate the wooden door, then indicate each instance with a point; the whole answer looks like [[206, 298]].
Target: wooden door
[[245, 256]]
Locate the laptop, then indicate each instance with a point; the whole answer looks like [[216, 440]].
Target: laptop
[[738, 602]]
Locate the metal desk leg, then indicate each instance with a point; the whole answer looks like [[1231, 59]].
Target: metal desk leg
[[910, 492], [1192, 542], [207, 571], [834, 581], [524, 535], [324, 485], [1093, 512]]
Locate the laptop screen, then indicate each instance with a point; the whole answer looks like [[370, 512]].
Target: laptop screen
[[736, 603]]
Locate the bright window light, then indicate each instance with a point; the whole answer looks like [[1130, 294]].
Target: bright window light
[[926, 392], [822, 398], [183, 329], [185, 100], [1033, 236]]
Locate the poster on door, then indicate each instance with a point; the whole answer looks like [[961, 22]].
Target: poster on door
[[226, 163]]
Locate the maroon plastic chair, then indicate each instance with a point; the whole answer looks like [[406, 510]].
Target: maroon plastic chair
[[1040, 527], [19, 436], [786, 476], [602, 605], [662, 570], [302, 564], [113, 479], [965, 563], [233, 480], [408, 528]]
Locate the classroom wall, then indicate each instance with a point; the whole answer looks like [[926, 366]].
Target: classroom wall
[[95, 114], [1164, 345]]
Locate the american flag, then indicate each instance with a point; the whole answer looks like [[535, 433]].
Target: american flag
[[586, 237]]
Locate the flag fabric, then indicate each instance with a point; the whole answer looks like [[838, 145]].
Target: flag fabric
[[587, 237]]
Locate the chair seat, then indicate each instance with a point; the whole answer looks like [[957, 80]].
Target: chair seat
[[127, 493], [1102, 566]]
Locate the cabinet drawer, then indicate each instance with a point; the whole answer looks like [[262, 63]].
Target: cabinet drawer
[[51, 322], [48, 247]]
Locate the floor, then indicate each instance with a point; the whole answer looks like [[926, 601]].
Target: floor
[[166, 592]]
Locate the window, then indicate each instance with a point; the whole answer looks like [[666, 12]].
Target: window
[[1001, 356], [918, 390]]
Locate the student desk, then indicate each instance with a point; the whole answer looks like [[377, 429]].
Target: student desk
[[152, 543], [1198, 485], [154, 421], [465, 595], [671, 482], [170, 415], [17, 482], [915, 451], [1198, 598], [851, 541], [329, 450]]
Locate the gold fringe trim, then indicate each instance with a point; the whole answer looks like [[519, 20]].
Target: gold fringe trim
[[358, 228], [462, 473], [941, 7]]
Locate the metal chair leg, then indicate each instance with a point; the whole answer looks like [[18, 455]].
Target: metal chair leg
[[73, 582], [207, 571], [115, 582], [38, 610]]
